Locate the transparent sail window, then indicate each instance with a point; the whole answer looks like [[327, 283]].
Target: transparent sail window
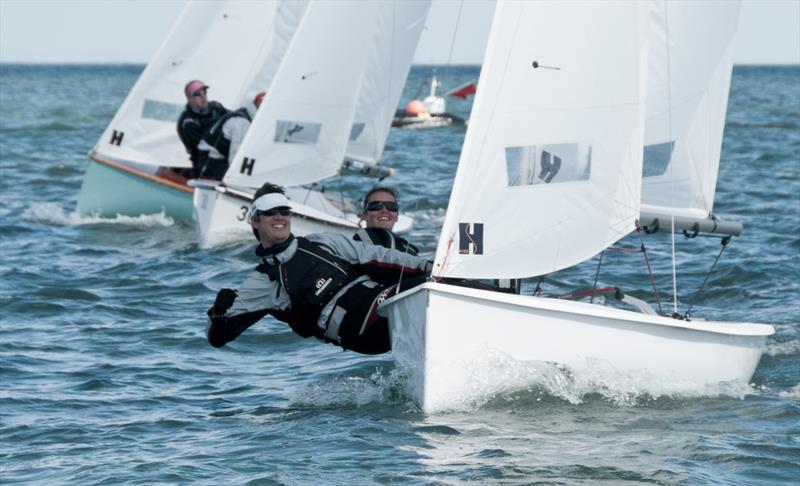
[[548, 164], [657, 158], [162, 111], [356, 130], [297, 132]]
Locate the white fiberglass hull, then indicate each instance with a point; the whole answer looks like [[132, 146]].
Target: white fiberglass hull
[[440, 333], [221, 217]]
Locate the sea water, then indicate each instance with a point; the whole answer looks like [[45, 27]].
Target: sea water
[[107, 377]]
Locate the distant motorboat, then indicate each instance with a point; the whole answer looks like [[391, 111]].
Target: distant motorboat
[[432, 112]]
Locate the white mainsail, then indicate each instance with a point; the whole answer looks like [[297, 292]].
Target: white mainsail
[[691, 49], [394, 40], [226, 44], [300, 132], [550, 171]]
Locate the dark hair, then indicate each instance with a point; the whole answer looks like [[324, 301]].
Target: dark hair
[[375, 189], [267, 188]]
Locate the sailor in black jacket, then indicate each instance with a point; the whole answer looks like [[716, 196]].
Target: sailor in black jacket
[[324, 285], [197, 117]]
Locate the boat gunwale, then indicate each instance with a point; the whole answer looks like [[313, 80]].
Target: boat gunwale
[[124, 168], [747, 329], [236, 193]]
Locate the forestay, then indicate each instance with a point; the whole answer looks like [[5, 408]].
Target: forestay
[[300, 132], [394, 40], [689, 75], [550, 171], [227, 45]]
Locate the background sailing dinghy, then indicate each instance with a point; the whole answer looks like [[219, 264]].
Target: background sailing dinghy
[[131, 167], [332, 100], [550, 175]]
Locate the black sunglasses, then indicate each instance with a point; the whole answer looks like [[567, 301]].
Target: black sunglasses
[[377, 205], [200, 92], [273, 212]]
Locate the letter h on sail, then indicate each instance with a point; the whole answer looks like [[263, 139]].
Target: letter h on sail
[[247, 166], [465, 238], [116, 137]]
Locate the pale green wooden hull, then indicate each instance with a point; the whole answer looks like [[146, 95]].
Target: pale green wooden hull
[[108, 190]]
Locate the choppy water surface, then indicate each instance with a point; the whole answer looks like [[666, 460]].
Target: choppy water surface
[[107, 377]]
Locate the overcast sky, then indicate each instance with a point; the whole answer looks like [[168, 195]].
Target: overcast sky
[[128, 31]]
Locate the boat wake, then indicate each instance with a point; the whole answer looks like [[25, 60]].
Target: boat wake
[[792, 393], [227, 238], [508, 380], [501, 378], [775, 348], [54, 214], [384, 387]]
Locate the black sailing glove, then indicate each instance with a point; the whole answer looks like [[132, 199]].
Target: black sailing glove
[[223, 302]]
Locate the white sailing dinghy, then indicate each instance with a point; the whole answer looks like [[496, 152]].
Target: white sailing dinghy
[[132, 167], [550, 175], [331, 101]]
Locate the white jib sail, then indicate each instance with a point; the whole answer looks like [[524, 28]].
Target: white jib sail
[[300, 132], [690, 64], [219, 43], [550, 171], [394, 40]]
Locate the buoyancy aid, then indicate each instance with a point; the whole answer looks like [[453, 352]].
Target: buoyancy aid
[[216, 138], [386, 239], [311, 277]]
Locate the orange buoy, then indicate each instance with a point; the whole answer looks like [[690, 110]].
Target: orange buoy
[[415, 107]]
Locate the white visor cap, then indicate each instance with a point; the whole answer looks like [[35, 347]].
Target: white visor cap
[[267, 202]]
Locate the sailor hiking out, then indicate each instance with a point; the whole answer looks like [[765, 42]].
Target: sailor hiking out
[[324, 285]]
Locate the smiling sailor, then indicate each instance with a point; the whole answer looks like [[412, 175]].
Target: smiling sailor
[[380, 215], [324, 285]]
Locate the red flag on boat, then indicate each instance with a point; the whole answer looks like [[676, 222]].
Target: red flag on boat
[[463, 91]]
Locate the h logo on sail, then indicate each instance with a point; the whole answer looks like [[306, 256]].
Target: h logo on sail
[[467, 239], [116, 138], [247, 166]]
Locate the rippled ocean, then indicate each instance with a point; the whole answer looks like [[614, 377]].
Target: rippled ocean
[[106, 376]]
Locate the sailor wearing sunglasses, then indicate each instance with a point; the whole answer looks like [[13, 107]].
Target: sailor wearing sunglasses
[[197, 117], [324, 285], [380, 215]]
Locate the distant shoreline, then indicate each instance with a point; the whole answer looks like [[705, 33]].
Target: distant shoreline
[[131, 64]]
